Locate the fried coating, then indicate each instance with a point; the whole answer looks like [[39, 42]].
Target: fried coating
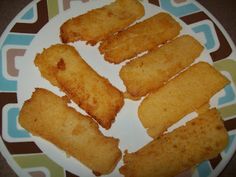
[[63, 66], [48, 116], [140, 37], [200, 139], [150, 71], [98, 24], [182, 95]]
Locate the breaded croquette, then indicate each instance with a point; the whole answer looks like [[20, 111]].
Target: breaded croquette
[[200, 139], [150, 71], [48, 116], [63, 66], [140, 37], [98, 24], [182, 95]]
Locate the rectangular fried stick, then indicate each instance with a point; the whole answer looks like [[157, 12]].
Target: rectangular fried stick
[[181, 96], [97, 24], [63, 66], [140, 37], [149, 72], [200, 139], [48, 116]]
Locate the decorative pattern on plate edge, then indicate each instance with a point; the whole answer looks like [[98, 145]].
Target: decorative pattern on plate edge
[[17, 141]]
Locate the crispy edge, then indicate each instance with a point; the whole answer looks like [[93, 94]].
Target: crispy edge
[[46, 71], [208, 121], [41, 62], [105, 121], [71, 89], [48, 64], [153, 130], [134, 85], [121, 48], [29, 123], [67, 37]]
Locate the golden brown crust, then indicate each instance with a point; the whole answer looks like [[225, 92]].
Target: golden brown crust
[[98, 24], [48, 116], [47, 67], [140, 37], [201, 139], [62, 66], [182, 95], [127, 95], [150, 71]]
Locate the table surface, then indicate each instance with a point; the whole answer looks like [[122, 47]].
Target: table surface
[[226, 17]]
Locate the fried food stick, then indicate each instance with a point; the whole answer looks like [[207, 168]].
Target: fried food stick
[[202, 138], [140, 37], [150, 71], [98, 24], [48, 116], [63, 66], [181, 96]]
